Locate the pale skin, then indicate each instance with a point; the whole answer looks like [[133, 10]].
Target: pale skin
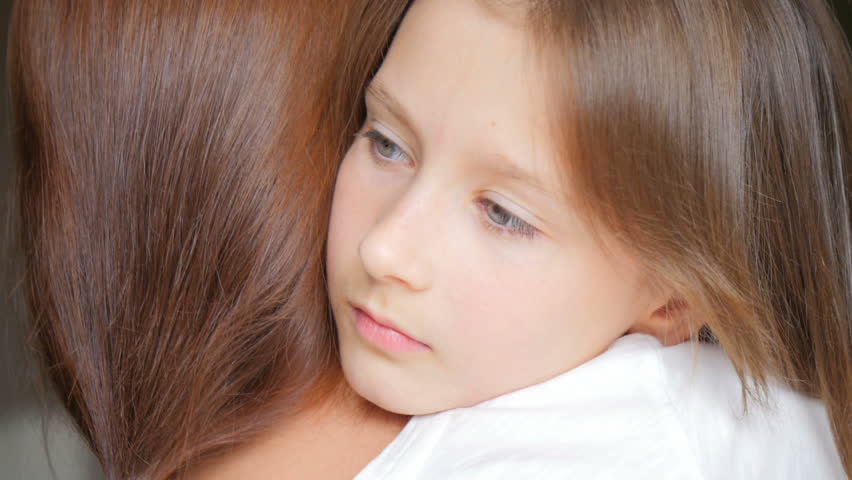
[[452, 224], [332, 440], [449, 219]]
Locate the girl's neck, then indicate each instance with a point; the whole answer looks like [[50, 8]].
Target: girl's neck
[[331, 439]]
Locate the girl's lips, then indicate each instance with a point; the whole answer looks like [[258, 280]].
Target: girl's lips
[[383, 336]]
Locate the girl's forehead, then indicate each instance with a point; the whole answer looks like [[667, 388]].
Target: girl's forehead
[[461, 77], [512, 11]]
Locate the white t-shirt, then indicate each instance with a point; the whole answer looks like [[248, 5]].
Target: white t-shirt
[[637, 411]]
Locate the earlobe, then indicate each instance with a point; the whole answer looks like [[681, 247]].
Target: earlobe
[[670, 323]]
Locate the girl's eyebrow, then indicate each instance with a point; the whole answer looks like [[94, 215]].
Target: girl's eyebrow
[[506, 168], [497, 163], [379, 92]]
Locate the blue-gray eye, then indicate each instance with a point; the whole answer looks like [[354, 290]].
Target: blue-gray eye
[[502, 221], [385, 148], [498, 214]]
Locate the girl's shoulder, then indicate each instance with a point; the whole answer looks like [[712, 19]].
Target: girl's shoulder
[[771, 433], [638, 410]]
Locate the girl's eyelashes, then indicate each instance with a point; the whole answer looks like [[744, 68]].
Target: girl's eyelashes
[[385, 150], [501, 221]]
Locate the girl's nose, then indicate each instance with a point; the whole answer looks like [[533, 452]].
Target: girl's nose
[[397, 248]]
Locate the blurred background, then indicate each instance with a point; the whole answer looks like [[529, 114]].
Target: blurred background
[[36, 439]]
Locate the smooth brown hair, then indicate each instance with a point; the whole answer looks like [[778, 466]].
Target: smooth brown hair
[[175, 162], [713, 139]]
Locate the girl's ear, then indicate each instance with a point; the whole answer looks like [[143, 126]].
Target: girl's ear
[[669, 323]]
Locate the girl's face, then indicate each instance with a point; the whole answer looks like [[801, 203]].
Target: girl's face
[[457, 269]]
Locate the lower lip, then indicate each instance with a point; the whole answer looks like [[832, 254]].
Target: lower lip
[[383, 337]]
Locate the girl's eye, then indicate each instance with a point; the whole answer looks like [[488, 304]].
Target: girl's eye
[[504, 222], [384, 149]]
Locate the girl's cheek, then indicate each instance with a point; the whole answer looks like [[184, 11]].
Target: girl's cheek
[[477, 299]]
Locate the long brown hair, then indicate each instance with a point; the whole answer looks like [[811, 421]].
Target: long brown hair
[[713, 138], [175, 162]]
